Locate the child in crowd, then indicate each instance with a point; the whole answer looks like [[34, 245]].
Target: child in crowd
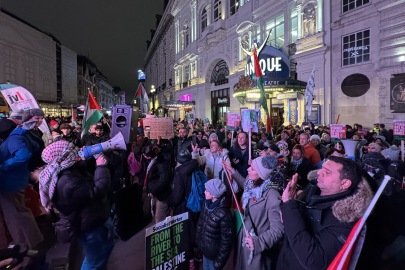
[[214, 228]]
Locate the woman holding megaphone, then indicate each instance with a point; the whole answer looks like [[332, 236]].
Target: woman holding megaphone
[[81, 200]]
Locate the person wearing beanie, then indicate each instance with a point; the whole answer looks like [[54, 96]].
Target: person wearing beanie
[[391, 153], [54, 124], [7, 125], [213, 137], [215, 233], [203, 146], [374, 147], [182, 184], [261, 207], [20, 155], [315, 140]]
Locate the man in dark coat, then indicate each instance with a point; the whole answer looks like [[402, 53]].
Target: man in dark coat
[[184, 142], [317, 227], [239, 154], [9, 124], [388, 136], [181, 191]]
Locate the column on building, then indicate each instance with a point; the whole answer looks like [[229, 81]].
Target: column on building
[[193, 23], [299, 15], [209, 14], [177, 35]]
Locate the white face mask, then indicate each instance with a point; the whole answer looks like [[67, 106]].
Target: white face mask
[[202, 151]]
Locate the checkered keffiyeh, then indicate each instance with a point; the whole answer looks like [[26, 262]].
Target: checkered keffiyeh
[[59, 155]]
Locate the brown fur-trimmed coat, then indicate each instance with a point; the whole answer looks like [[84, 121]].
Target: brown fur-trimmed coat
[[317, 229]]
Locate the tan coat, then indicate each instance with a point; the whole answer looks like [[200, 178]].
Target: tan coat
[[266, 222]]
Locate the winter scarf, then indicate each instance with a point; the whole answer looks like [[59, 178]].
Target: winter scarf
[[59, 155], [257, 192], [296, 163]]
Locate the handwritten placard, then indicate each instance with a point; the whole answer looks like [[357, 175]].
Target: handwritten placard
[[338, 131]]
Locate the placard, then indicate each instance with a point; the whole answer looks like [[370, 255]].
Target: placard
[[206, 121], [361, 131], [167, 244], [250, 120], [399, 127], [159, 127], [315, 117], [190, 118], [337, 131], [233, 121]]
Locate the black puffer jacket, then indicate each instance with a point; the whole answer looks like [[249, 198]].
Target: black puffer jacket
[[159, 178], [72, 138], [181, 190], [215, 232], [82, 199]]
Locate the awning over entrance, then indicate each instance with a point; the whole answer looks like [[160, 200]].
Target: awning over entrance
[[179, 105], [247, 85]]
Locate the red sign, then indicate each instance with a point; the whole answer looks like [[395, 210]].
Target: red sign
[[362, 131], [81, 108], [399, 127], [232, 121], [338, 131]]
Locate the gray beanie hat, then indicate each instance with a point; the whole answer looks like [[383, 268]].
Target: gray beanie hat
[[213, 135], [391, 153], [17, 114], [265, 165], [216, 187], [28, 114]]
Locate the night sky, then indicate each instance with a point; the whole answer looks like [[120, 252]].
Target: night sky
[[112, 33]]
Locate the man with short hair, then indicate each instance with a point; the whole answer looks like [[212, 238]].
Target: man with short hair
[[239, 154], [184, 142], [317, 227], [86, 137], [388, 136], [311, 153], [7, 125]]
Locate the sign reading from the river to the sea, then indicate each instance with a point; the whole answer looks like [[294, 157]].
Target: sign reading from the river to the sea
[[167, 244]]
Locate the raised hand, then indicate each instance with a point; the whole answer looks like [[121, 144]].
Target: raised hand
[[290, 192]]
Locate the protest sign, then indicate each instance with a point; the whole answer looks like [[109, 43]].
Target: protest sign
[[361, 131], [167, 244], [162, 127], [205, 121], [190, 118], [233, 121], [250, 119], [399, 134], [337, 132]]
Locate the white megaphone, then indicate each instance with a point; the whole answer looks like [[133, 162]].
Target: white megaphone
[[350, 147], [117, 142]]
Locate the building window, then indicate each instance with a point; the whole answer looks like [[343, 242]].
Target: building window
[[294, 25], [203, 19], [186, 73], [352, 4], [186, 37], [217, 10], [219, 73], [356, 48], [234, 6], [10, 72], [276, 38], [29, 78], [258, 37]]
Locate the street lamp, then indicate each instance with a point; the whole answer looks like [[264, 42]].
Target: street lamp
[[152, 89]]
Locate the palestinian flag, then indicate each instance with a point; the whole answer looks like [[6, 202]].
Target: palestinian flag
[[143, 99], [92, 113], [74, 119], [260, 84]]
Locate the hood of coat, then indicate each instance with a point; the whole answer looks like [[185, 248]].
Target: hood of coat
[[352, 208], [188, 167]]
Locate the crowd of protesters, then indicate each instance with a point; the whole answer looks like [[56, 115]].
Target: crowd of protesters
[[300, 193]]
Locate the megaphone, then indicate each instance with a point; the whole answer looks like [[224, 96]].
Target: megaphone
[[117, 142], [350, 147]]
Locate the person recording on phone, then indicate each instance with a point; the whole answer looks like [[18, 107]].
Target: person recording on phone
[[184, 142]]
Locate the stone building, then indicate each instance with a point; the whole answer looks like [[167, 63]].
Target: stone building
[[159, 62], [368, 61], [39, 62], [90, 78], [354, 47]]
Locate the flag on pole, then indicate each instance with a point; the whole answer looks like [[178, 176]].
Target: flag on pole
[[143, 99], [92, 113], [343, 258], [260, 84], [74, 119], [337, 120], [309, 91]]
